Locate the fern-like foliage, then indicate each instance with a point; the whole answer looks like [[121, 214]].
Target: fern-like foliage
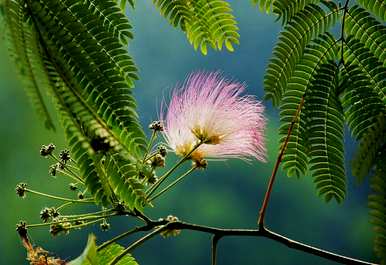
[[302, 29], [264, 5], [317, 53], [207, 23], [340, 77], [287, 9], [26, 54], [361, 101], [377, 7], [357, 53], [370, 147], [377, 205], [363, 27], [324, 123], [76, 50]]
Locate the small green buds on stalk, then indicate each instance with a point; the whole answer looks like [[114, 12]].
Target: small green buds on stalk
[[171, 232], [21, 190], [156, 126], [47, 150]]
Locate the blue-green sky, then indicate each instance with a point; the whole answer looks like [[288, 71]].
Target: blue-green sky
[[227, 194]]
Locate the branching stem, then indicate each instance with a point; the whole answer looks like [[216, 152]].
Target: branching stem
[[136, 244], [283, 148], [219, 233], [86, 200], [171, 185], [168, 173]]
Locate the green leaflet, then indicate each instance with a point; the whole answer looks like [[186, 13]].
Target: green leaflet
[[122, 4], [361, 102], [377, 206], [124, 180], [90, 256], [357, 53], [318, 52], [377, 7], [25, 51], [287, 9], [324, 123], [80, 144], [108, 15], [75, 50], [362, 26], [205, 22], [97, 75], [264, 5], [304, 27], [370, 145]]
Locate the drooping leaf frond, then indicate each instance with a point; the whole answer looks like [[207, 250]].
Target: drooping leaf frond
[[124, 181], [357, 53], [370, 146], [98, 76], [362, 26], [110, 17], [205, 22], [122, 4], [317, 53], [264, 5], [377, 205], [78, 49], [25, 51], [78, 140], [304, 27], [377, 7], [361, 102], [287, 9], [325, 122]]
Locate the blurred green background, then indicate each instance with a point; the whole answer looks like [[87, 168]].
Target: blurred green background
[[227, 194]]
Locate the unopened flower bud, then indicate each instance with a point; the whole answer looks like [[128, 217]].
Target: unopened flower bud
[[200, 163], [45, 214], [47, 150], [57, 228], [80, 196], [21, 228], [54, 212], [157, 126], [162, 151], [53, 169], [105, 225], [152, 179], [158, 161], [64, 156], [21, 190], [73, 186], [171, 232]]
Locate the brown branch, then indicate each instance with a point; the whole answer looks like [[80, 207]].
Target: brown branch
[[215, 239], [218, 233], [283, 148]]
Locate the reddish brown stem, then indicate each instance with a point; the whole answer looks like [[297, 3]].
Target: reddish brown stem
[[260, 221]]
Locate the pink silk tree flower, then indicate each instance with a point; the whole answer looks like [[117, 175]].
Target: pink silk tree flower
[[210, 110]]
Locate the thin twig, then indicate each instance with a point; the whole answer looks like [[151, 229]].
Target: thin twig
[[171, 185], [136, 244], [86, 200], [219, 233], [283, 148], [154, 187], [123, 235], [215, 240]]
